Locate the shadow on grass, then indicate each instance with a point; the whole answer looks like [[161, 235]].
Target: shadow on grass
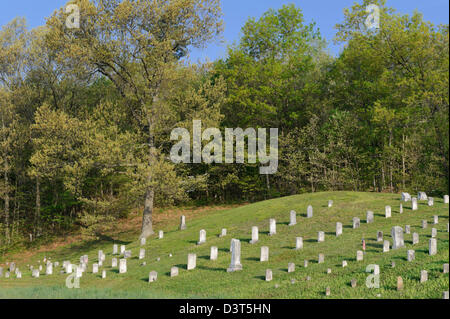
[[260, 277], [183, 266], [252, 259], [212, 269]]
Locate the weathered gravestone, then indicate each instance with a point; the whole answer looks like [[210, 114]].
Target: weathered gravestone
[[174, 271], [321, 258], [411, 255], [422, 196], [432, 247], [269, 275], [94, 268], [143, 241], [291, 267], [114, 262], [445, 269], [115, 249], [161, 234], [359, 255], [309, 212], [321, 237], [141, 253], [423, 276], [192, 261], [272, 227], [298, 243], [406, 197], [344, 263], [330, 203], [414, 205], [103, 274], [255, 235], [122, 266], [49, 269], [339, 229], [127, 254], [401, 209], [430, 201], [292, 218], [436, 219], [446, 199], [424, 224], [183, 223], [152, 276], [264, 253], [356, 222], [214, 253], [433, 232], [122, 249], [379, 236], [386, 246], [415, 238], [407, 229], [202, 238], [369, 217], [399, 283], [388, 212], [397, 237], [223, 233], [235, 256]]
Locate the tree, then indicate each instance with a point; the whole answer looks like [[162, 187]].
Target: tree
[[136, 44]]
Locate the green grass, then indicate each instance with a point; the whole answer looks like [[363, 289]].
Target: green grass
[[210, 279]]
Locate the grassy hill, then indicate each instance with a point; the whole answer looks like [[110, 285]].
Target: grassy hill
[[210, 279]]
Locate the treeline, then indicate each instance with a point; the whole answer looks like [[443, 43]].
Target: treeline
[[86, 113]]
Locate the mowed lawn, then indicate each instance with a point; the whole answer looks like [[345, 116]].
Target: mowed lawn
[[211, 280]]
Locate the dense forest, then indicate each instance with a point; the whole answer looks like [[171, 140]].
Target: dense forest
[[86, 113]]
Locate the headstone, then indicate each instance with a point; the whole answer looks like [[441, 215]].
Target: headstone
[[388, 211], [433, 232], [424, 224], [338, 229], [264, 253], [174, 271], [445, 295], [143, 241], [393, 264], [386, 246], [379, 236], [183, 223], [1, 272], [103, 274], [291, 267], [12, 267], [255, 235], [329, 271], [115, 249], [100, 255], [49, 269], [359, 255], [354, 283], [292, 218], [192, 261], [94, 268], [399, 283], [321, 258], [406, 197], [344, 264], [445, 269], [114, 262], [202, 238], [436, 219], [122, 266], [152, 276], [223, 233], [127, 254], [320, 237], [328, 291], [401, 209], [411, 255], [415, 238], [214, 253], [397, 237], [309, 212], [122, 249], [407, 229], [414, 205], [330, 203], [269, 275], [356, 222], [369, 217], [235, 256], [423, 276], [7, 274], [430, 201], [141, 253], [432, 247], [161, 234], [446, 199], [422, 196], [272, 227], [305, 264], [298, 243], [18, 275]]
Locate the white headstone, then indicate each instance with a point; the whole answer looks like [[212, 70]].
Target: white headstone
[[183, 223], [321, 259], [255, 235], [414, 205], [122, 266], [114, 262], [356, 222], [103, 274], [338, 229], [272, 227], [269, 275], [115, 249], [264, 253], [292, 218], [369, 217], [446, 199], [397, 237], [309, 212], [192, 261], [423, 276], [432, 247], [235, 256], [214, 253], [122, 249], [433, 232], [422, 196], [152, 276], [411, 255], [291, 267], [49, 269], [407, 229], [415, 238], [330, 203], [143, 241], [223, 233], [298, 243], [173, 271], [435, 219], [359, 255], [379, 236], [94, 268], [430, 201], [320, 237], [386, 246], [161, 234], [388, 211], [142, 253], [202, 238], [401, 208], [406, 197]]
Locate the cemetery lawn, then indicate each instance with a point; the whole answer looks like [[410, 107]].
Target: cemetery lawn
[[211, 280]]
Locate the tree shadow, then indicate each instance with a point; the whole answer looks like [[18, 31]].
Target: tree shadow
[[260, 277], [252, 259], [204, 257], [181, 266]]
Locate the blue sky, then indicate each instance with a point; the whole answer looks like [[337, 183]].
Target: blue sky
[[326, 13]]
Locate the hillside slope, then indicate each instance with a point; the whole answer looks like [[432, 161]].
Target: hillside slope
[[210, 279]]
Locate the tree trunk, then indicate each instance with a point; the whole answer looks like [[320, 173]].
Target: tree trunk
[[403, 162], [6, 202], [38, 209]]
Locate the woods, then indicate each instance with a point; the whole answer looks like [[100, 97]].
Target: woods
[[86, 114]]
